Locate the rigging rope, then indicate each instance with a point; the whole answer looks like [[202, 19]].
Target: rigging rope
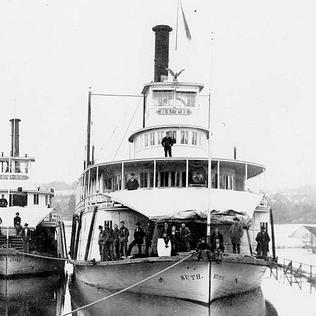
[[36, 256], [127, 128], [129, 287]]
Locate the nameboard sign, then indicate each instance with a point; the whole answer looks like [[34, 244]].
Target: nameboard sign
[[174, 111], [13, 177]]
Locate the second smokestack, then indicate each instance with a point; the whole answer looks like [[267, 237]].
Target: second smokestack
[[15, 137]]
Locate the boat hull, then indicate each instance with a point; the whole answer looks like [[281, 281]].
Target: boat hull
[[15, 264], [201, 281]]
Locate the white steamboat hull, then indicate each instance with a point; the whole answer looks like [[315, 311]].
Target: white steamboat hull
[[200, 281], [14, 264]]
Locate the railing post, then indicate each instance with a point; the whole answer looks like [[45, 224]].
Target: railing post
[[311, 271]]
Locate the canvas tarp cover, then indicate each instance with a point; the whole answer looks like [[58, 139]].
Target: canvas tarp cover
[[31, 215], [189, 202]]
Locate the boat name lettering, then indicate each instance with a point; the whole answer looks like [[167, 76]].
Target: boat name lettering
[[174, 111], [189, 277], [218, 277], [13, 177]]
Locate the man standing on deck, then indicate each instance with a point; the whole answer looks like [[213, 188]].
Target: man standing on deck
[[185, 234], [116, 243], [263, 240], [148, 238], [17, 223], [216, 235], [138, 239], [3, 201], [123, 238], [101, 243], [167, 142], [108, 242], [236, 232], [26, 237], [132, 183]]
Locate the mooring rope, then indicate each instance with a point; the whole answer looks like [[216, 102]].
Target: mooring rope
[[129, 287], [37, 256]]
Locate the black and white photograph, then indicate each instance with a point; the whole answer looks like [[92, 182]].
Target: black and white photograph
[[157, 158]]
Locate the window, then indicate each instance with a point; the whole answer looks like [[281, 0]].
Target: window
[[163, 98], [143, 179], [160, 137], [184, 137], [36, 199], [152, 138], [194, 138], [146, 140], [186, 99], [227, 182]]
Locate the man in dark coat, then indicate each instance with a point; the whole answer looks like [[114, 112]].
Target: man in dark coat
[[116, 243], [123, 239], [236, 232], [185, 234], [216, 235], [17, 223], [174, 238], [148, 237], [108, 242], [167, 142], [3, 201], [101, 242], [138, 239], [203, 246], [132, 183], [165, 234], [263, 240], [26, 237]]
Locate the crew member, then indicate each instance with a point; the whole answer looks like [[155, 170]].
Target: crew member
[[17, 223], [123, 238], [116, 243], [236, 232], [165, 234], [167, 142], [3, 201], [101, 242], [132, 183], [203, 246], [108, 242], [216, 235], [26, 237], [263, 240], [138, 239], [148, 238], [185, 234], [174, 239]]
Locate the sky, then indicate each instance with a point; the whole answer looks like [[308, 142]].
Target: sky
[[260, 69]]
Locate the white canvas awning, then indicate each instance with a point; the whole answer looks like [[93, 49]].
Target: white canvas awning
[[167, 202], [31, 215]]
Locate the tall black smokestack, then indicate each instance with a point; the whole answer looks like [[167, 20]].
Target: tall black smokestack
[[15, 134], [161, 51]]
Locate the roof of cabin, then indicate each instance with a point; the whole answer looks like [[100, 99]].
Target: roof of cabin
[[172, 84]]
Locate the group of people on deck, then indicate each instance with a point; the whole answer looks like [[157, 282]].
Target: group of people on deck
[[217, 248], [23, 232]]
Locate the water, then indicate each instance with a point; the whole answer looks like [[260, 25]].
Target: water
[[50, 296]]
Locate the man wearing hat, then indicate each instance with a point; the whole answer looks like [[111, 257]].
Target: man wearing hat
[[132, 183], [101, 242], [138, 239], [236, 232], [26, 237], [167, 142], [108, 242], [17, 223]]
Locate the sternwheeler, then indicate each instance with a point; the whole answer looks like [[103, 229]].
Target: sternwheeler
[[32, 239], [191, 187]]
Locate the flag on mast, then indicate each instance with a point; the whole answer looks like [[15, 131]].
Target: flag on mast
[[185, 23]]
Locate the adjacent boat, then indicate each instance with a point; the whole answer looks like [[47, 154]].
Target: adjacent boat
[[190, 187], [47, 247]]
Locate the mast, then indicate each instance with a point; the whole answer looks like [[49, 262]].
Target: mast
[[209, 175], [87, 162]]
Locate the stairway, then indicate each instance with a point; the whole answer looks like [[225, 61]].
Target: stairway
[[3, 241], [16, 243]]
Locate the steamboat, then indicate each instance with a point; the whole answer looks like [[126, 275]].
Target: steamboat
[[23, 204], [190, 187]]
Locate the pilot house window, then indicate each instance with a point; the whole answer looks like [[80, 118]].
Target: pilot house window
[[163, 98], [36, 199]]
